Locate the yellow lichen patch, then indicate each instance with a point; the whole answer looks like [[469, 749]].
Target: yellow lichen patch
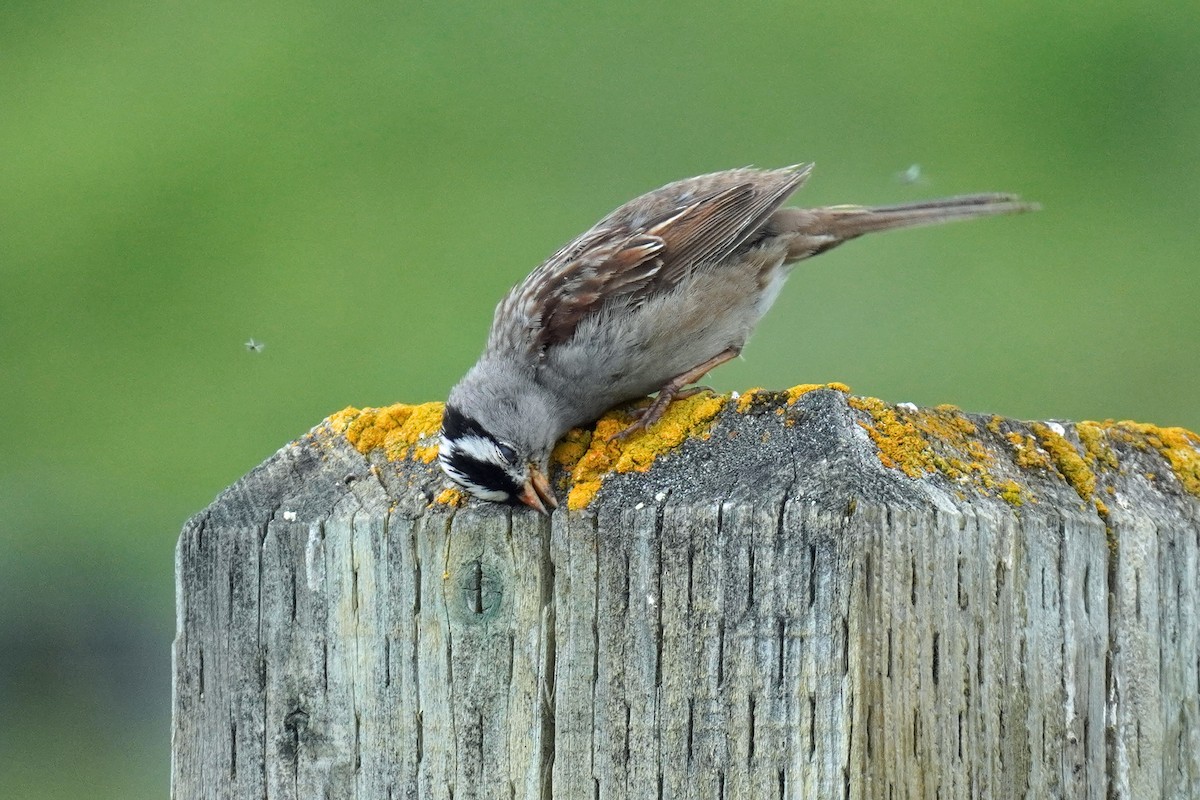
[[403, 431], [601, 457], [758, 397], [940, 440], [1095, 448], [450, 497], [341, 420], [900, 446], [1067, 460], [1010, 492], [571, 448], [1027, 453], [796, 392], [1179, 446], [747, 398]]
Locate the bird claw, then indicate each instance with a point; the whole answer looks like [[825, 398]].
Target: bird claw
[[644, 418], [639, 424]]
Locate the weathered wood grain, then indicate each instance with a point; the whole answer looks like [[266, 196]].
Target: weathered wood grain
[[771, 613]]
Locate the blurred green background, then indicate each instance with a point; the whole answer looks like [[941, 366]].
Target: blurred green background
[[356, 184]]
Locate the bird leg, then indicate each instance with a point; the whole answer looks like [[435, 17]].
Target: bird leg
[[674, 390]]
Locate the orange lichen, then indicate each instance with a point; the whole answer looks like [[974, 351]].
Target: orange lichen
[[1179, 446], [403, 431], [747, 398], [796, 392], [603, 456], [758, 397], [1072, 466], [1095, 448], [900, 446], [1027, 454], [452, 496], [570, 448], [940, 440], [917, 442], [906, 440], [1011, 493]]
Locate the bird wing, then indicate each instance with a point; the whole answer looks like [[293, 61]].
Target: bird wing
[[643, 248]]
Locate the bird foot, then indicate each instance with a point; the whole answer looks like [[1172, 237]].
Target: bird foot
[[646, 416]]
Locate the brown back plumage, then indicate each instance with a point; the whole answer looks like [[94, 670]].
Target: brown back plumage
[[646, 246]]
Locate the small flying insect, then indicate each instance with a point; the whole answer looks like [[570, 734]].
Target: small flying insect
[[911, 176]]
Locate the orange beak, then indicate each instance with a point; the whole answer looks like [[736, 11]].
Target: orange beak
[[537, 493]]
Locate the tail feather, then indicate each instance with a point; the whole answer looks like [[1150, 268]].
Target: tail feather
[[847, 222], [855, 221], [809, 231]]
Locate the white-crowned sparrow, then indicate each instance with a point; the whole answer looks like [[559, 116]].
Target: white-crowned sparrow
[[651, 298]]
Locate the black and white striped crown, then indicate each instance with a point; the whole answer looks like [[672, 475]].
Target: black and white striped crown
[[477, 461]]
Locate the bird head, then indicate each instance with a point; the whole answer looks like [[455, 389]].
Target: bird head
[[491, 466]]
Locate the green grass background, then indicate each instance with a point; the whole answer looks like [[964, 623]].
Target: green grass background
[[355, 184]]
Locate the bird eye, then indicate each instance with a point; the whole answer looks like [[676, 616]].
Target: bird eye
[[509, 454]]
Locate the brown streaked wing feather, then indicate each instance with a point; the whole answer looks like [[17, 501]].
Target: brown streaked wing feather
[[700, 230], [709, 229], [545, 308], [598, 275], [616, 260]]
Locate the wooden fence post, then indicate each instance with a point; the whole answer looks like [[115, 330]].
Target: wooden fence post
[[802, 594]]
